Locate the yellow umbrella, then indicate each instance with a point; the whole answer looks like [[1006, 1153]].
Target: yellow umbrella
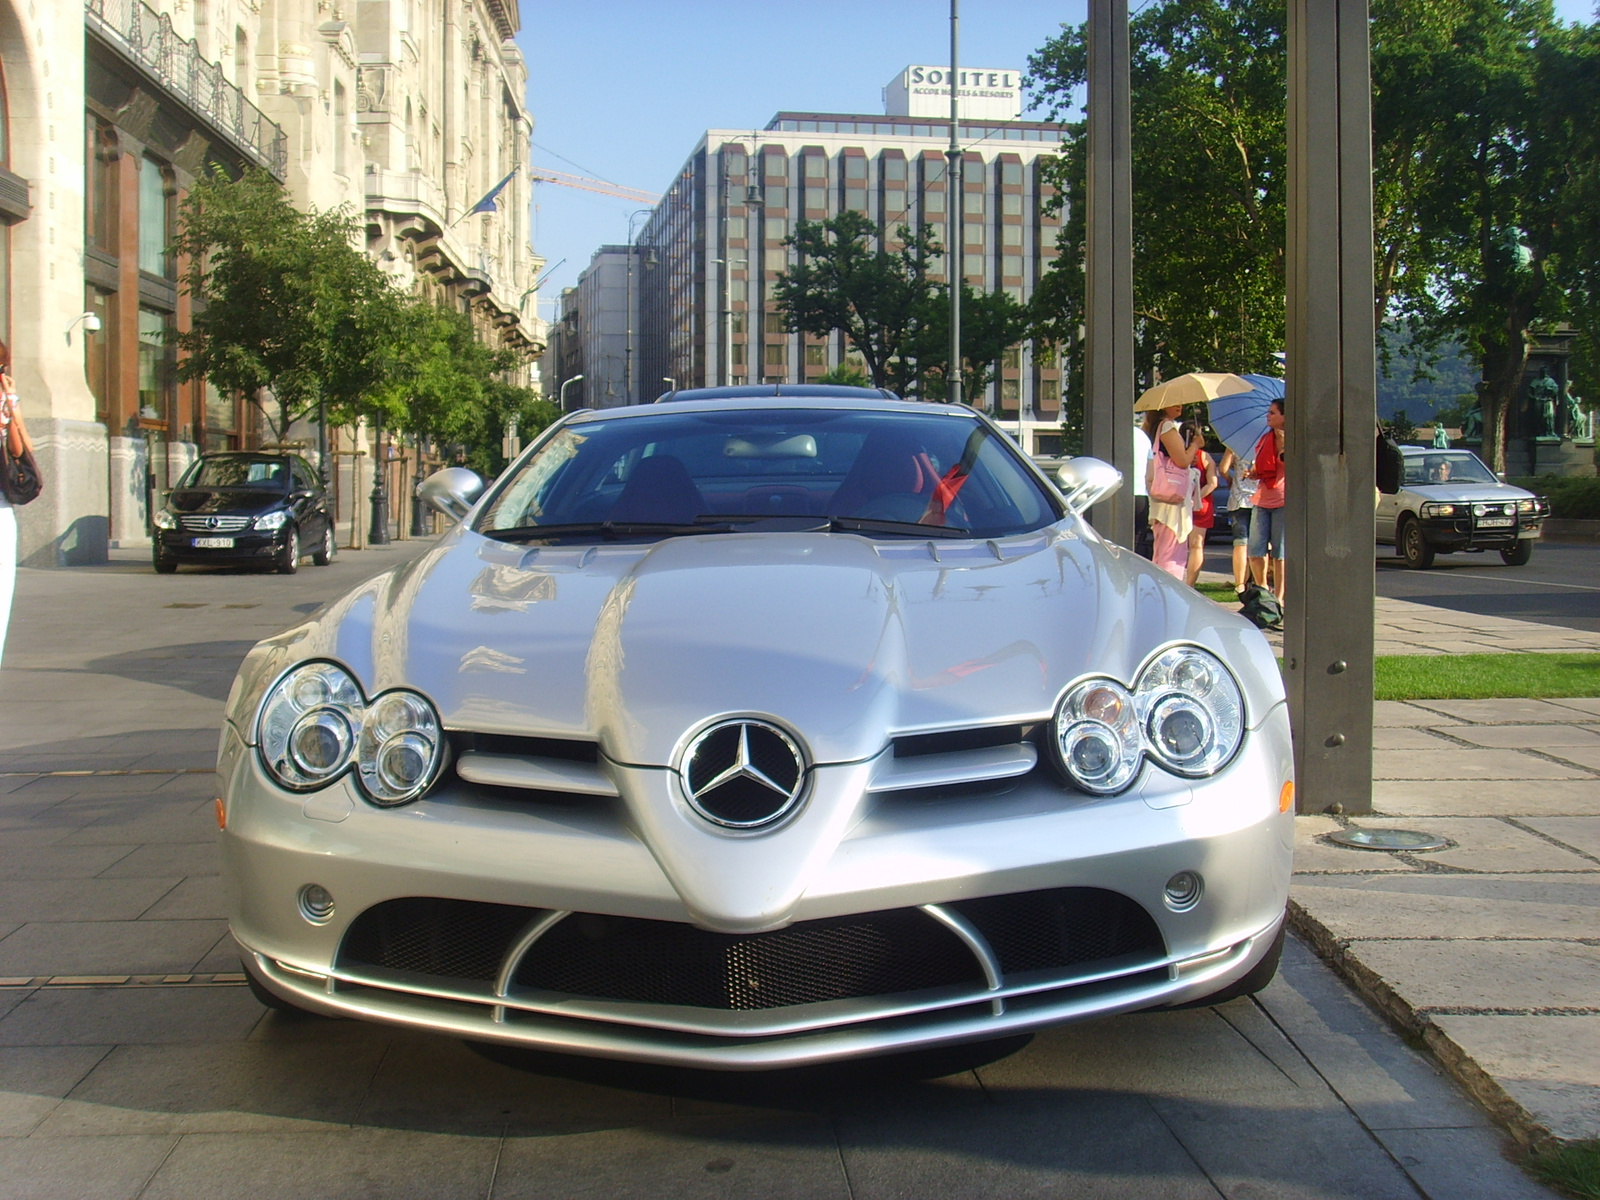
[[1194, 388]]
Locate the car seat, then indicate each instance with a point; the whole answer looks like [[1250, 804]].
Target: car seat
[[659, 488]]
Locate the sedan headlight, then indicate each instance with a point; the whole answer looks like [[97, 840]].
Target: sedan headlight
[[316, 723], [164, 520], [1438, 510], [1186, 712], [1527, 506], [272, 520]]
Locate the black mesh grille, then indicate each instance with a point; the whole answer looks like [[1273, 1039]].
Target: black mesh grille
[[458, 939], [662, 962], [1041, 931]]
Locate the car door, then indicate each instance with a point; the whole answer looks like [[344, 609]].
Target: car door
[[309, 509], [1388, 510]]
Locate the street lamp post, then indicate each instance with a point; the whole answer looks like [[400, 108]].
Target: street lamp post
[[378, 535], [627, 362], [672, 384], [565, 384], [953, 249]]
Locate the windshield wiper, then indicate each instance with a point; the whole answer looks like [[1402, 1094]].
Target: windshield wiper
[[609, 530], [910, 528]]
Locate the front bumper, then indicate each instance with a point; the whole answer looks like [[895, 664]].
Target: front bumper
[[177, 545], [464, 843], [1462, 533]]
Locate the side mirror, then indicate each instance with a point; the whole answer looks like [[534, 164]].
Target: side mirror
[[1086, 481], [453, 491]]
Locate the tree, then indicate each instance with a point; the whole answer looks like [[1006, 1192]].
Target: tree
[[290, 306], [845, 375], [846, 281], [991, 323]]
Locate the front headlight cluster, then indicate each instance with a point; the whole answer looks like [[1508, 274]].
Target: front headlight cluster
[[1185, 712], [271, 520], [164, 520], [316, 724], [1438, 510]]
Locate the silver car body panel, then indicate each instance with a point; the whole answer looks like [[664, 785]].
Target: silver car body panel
[[844, 640]]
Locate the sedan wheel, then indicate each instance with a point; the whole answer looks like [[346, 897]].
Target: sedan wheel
[[1413, 546], [289, 557], [324, 556], [1518, 555]]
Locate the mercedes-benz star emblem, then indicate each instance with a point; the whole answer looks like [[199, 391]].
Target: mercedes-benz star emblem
[[743, 773], [212, 522]]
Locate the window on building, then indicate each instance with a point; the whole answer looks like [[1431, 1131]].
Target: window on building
[[1011, 357], [855, 199], [1010, 391], [777, 228], [1011, 235], [773, 355], [775, 166], [220, 420], [154, 231], [1044, 355], [1011, 264], [816, 199], [155, 375], [933, 202], [773, 323], [738, 291], [894, 204], [1011, 204], [736, 228], [972, 266], [816, 356], [101, 211], [973, 203], [736, 352], [777, 195], [97, 352], [894, 169], [202, 28], [855, 168], [816, 167], [341, 134], [736, 322], [241, 58], [972, 233], [933, 170], [1011, 173], [733, 162]]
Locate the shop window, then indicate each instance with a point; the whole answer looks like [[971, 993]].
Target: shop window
[[155, 369]]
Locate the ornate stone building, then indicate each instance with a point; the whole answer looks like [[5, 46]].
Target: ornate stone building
[[409, 111]]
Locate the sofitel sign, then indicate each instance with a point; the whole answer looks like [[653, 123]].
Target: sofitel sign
[[985, 93]]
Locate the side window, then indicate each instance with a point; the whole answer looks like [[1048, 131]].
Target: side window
[[305, 479]]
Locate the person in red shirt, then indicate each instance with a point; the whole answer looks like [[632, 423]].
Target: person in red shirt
[[1266, 518]]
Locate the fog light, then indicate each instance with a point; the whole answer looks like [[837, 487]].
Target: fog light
[[1183, 891], [316, 904]]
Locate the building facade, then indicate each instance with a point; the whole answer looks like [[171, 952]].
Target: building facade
[[409, 111], [707, 314]]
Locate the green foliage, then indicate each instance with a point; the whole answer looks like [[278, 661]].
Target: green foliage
[[845, 375], [991, 323], [1426, 380], [1401, 427], [1574, 1168], [291, 306], [1572, 497], [1485, 676]]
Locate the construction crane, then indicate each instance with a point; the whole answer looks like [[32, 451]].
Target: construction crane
[[567, 179]]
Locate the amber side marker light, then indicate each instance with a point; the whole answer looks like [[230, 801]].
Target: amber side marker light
[[222, 814], [1285, 798]]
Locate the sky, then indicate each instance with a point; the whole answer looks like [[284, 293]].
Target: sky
[[622, 90]]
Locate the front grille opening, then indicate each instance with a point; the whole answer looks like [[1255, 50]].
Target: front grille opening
[[1065, 927], [953, 741], [454, 939], [567, 749], [664, 962]]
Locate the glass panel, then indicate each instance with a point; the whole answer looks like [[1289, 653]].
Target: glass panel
[[736, 322], [894, 169], [773, 323], [894, 204], [1011, 264], [733, 162], [154, 377], [777, 195], [816, 167], [816, 356], [856, 198], [777, 166], [219, 410], [973, 202], [97, 353], [1011, 235], [152, 219], [816, 198], [774, 355], [1011, 205], [972, 234], [737, 353], [973, 265], [933, 202], [736, 291], [736, 227], [855, 168], [1011, 172], [777, 229]]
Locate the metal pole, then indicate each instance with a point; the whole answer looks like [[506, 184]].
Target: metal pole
[[565, 384], [953, 201], [378, 535], [1108, 325], [627, 361], [1332, 406]]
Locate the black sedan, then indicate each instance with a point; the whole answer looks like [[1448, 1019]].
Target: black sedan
[[238, 509]]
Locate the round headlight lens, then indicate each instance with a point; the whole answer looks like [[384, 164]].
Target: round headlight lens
[[1097, 735], [400, 749], [307, 727], [1192, 711]]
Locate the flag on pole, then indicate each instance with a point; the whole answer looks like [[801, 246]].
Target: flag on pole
[[487, 204]]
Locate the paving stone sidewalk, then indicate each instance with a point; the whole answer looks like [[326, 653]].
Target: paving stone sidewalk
[[1489, 950]]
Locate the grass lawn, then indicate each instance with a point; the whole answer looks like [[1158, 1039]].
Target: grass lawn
[[1574, 1168], [1222, 593], [1485, 676]]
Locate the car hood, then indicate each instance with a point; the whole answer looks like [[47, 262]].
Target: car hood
[[845, 640], [1457, 493], [236, 501]]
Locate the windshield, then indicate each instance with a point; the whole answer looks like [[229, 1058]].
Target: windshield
[[939, 471], [1448, 466], [266, 474]]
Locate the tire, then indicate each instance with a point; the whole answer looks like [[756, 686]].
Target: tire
[[1412, 545], [325, 555], [1257, 978], [161, 563], [288, 560], [270, 999], [1518, 555]]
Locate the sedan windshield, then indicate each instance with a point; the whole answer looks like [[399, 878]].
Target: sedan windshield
[[238, 471], [879, 473], [1447, 466]]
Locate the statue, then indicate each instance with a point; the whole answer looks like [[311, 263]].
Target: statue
[[1542, 393], [1571, 413], [1472, 424], [1441, 439]]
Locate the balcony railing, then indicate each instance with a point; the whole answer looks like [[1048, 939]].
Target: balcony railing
[[146, 38]]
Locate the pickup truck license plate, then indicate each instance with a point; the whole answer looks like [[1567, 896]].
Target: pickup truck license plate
[[1497, 522], [213, 543]]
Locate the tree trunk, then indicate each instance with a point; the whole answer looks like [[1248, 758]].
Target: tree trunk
[[1503, 369]]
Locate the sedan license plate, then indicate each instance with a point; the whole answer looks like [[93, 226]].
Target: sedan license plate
[[213, 543], [1497, 522]]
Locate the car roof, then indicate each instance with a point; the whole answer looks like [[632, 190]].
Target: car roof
[[857, 399], [1417, 451], [752, 391]]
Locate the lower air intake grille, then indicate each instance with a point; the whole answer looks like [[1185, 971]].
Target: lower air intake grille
[[459, 939], [662, 962], [1067, 927]]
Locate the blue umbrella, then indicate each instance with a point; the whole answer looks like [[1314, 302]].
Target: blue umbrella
[[1241, 419]]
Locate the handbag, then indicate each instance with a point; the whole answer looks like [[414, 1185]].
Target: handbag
[[20, 482], [1168, 482]]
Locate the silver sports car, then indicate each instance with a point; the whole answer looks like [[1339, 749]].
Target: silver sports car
[[754, 728]]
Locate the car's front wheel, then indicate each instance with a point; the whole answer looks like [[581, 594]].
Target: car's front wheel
[[1412, 545], [1518, 555], [323, 556], [288, 561]]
